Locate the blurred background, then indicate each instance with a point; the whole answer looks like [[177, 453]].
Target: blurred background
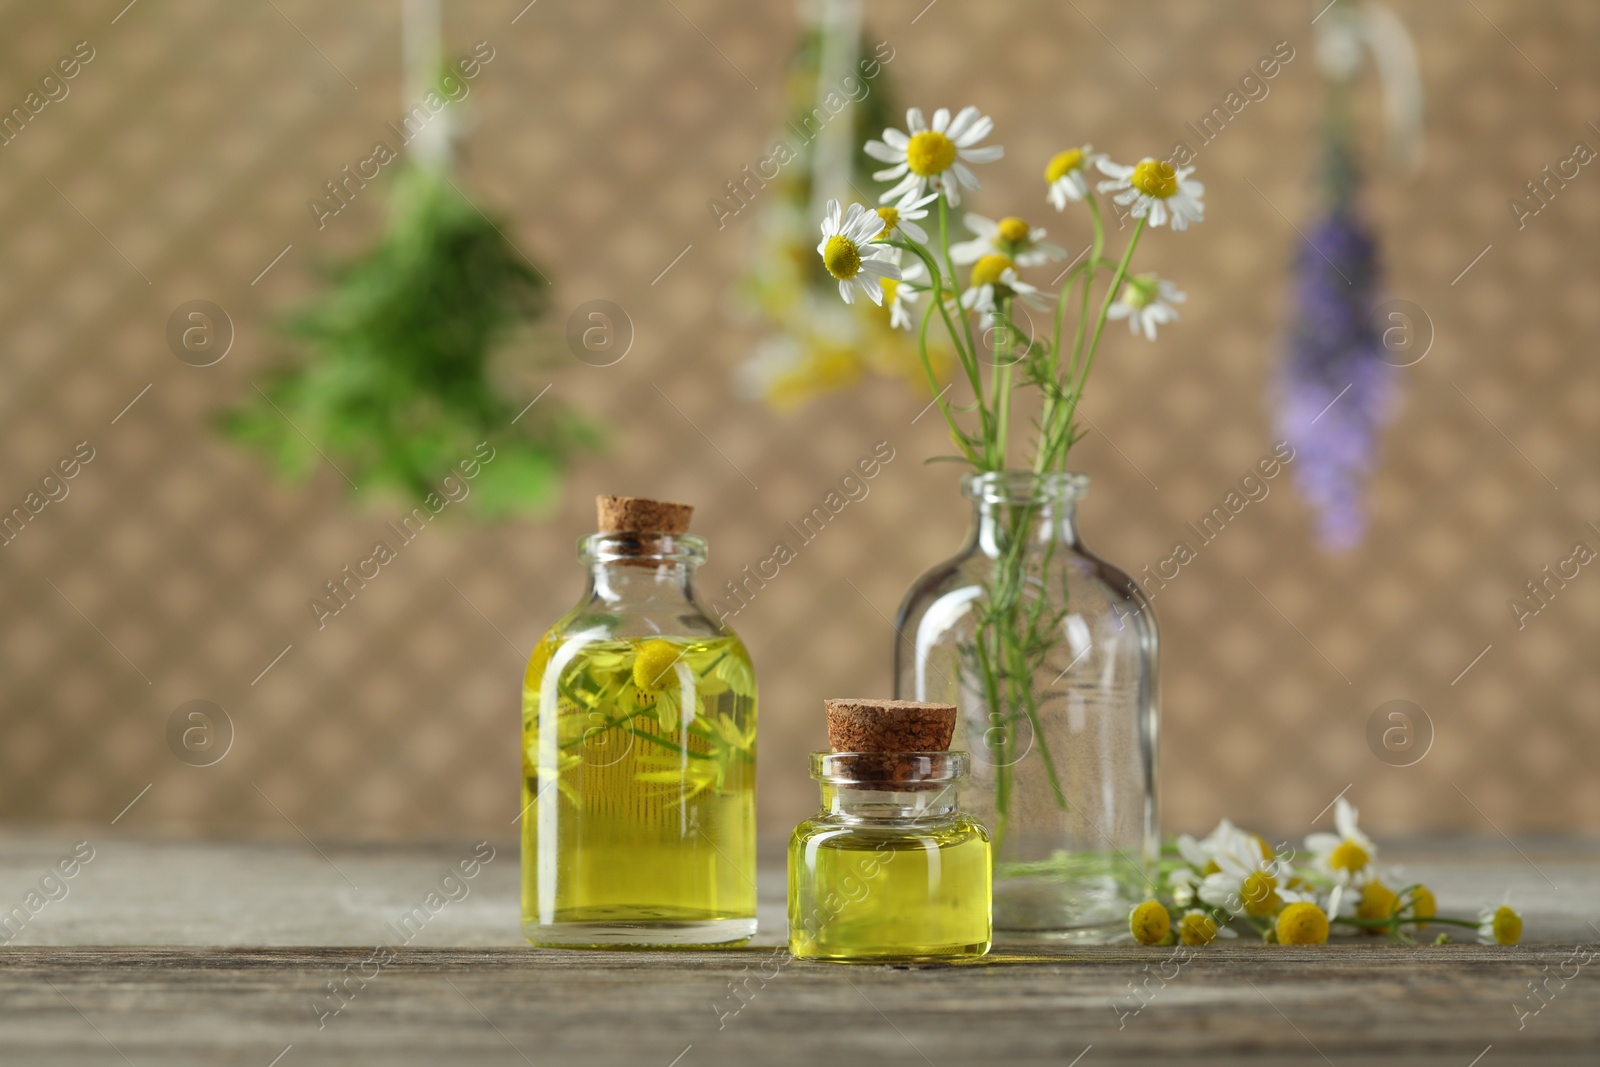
[[179, 165]]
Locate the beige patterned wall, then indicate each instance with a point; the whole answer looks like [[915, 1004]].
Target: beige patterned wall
[[179, 166]]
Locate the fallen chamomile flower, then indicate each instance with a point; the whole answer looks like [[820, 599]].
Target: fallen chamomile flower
[[1198, 928], [1146, 302], [1012, 237], [1302, 923], [849, 251], [1499, 926], [934, 157], [1067, 174], [1246, 880], [1347, 856], [995, 277], [1153, 188], [900, 220], [1149, 923]]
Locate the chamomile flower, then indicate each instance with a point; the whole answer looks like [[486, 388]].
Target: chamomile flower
[[849, 251], [1067, 174], [1149, 923], [1198, 928], [1012, 237], [900, 219], [900, 295], [1347, 856], [994, 277], [1302, 923], [1154, 188], [1247, 879], [934, 157], [1146, 302], [1499, 926]]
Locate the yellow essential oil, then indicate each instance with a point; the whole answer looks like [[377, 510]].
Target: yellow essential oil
[[889, 869], [638, 822]]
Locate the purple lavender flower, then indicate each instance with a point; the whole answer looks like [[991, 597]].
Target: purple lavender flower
[[1335, 391]]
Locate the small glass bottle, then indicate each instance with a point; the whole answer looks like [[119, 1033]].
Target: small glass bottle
[[890, 868], [639, 728]]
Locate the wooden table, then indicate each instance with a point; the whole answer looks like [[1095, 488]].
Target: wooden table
[[176, 954]]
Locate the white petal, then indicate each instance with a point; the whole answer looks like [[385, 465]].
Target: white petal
[[981, 225], [870, 286], [1344, 817], [963, 175], [970, 251], [913, 231], [896, 139], [1322, 843], [910, 181], [986, 154], [941, 119], [883, 268], [848, 291], [964, 119], [981, 127], [914, 121], [889, 172], [1113, 170], [1119, 310], [879, 150]]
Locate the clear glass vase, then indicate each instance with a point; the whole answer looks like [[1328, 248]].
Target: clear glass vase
[[1050, 654]]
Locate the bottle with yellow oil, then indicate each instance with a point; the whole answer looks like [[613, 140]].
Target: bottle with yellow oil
[[891, 868], [638, 731]]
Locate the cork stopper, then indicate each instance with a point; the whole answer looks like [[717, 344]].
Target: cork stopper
[[889, 725], [633, 514]]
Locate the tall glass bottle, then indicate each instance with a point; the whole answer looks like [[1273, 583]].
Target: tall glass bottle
[[1050, 653], [639, 727]]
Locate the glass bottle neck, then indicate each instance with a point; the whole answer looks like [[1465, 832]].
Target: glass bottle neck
[[1036, 509], [857, 802], [641, 568], [641, 580]]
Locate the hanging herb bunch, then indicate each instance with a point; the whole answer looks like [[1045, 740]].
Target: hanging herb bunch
[[397, 388]]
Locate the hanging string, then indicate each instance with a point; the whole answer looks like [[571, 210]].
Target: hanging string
[[422, 59]]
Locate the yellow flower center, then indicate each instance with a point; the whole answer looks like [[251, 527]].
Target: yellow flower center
[[1013, 231], [1377, 902], [1154, 178], [1062, 164], [890, 287], [1210, 868], [1141, 292], [1259, 894], [1302, 924], [987, 270], [930, 153], [1150, 923], [1350, 857], [842, 258], [1507, 926], [891, 219], [1197, 928], [653, 663], [1423, 906]]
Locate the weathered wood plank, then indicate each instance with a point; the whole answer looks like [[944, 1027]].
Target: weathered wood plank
[[216, 953], [1344, 1004]]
